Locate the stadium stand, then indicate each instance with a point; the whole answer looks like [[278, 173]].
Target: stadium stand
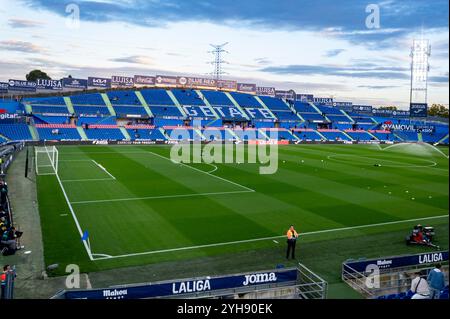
[[144, 132], [409, 294], [182, 133], [42, 119], [89, 104], [105, 120], [245, 100], [280, 109], [407, 136], [104, 132], [188, 97], [16, 132], [293, 120], [384, 135], [334, 135], [307, 135], [57, 132], [359, 135]]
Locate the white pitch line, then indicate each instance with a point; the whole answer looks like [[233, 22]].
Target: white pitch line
[[104, 169], [199, 170], [268, 238], [80, 231], [156, 197], [215, 168], [87, 180]]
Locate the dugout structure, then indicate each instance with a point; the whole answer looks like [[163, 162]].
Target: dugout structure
[[390, 275], [283, 283]]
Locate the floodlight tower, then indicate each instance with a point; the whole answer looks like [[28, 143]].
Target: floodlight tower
[[218, 61], [420, 54]]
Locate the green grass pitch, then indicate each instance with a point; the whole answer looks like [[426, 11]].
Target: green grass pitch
[[139, 207]]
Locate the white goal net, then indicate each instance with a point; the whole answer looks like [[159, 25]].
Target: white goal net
[[46, 160]]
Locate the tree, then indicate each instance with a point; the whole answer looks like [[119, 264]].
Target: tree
[[37, 74], [392, 108], [438, 110]]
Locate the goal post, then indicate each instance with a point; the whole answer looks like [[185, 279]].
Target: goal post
[[46, 160]]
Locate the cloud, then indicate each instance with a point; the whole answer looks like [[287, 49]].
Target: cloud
[[438, 79], [377, 87], [24, 23], [333, 53], [344, 18], [20, 46], [262, 61], [134, 59], [363, 70]]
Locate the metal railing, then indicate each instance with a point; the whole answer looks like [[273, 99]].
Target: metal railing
[[392, 281], [310, 285]]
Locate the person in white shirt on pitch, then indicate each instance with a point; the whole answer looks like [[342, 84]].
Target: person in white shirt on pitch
[[420, 288]]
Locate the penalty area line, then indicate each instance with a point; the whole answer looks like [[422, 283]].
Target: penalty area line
[[273, 238], [104, 169], [207, 173]]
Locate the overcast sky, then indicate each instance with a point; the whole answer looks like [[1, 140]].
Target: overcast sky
[[318, 47]]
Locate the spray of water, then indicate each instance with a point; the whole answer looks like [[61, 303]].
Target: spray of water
[[416, 149]]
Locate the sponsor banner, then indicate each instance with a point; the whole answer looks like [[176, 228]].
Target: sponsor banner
[[43, 84], [8, 116], [99, 82], [183, 287], [342, 104], [246, 87], [166, 80], [418, 109], [390, 113], [227, 84], [269, 142], [265, 91], [304, 98], [196, 82], [144, 80], [287, 95], [398, 261], [323, 100], [19, 85], [365, 109], [425, 128], [397, 127], [122, 81], [74, 83], [4, 87]]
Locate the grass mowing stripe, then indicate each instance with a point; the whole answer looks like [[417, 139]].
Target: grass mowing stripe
[[269, 238], [199, 170], [104, 169], [80, 231], [158, 197]]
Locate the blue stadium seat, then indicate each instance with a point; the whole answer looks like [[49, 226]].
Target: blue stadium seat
[[157, 97], [104, 134], [188, 97], [217, 98], [17, 132], [63, 134], [245, 100], [123, 98]]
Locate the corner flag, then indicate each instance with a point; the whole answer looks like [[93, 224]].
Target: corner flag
[[85, 236]]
